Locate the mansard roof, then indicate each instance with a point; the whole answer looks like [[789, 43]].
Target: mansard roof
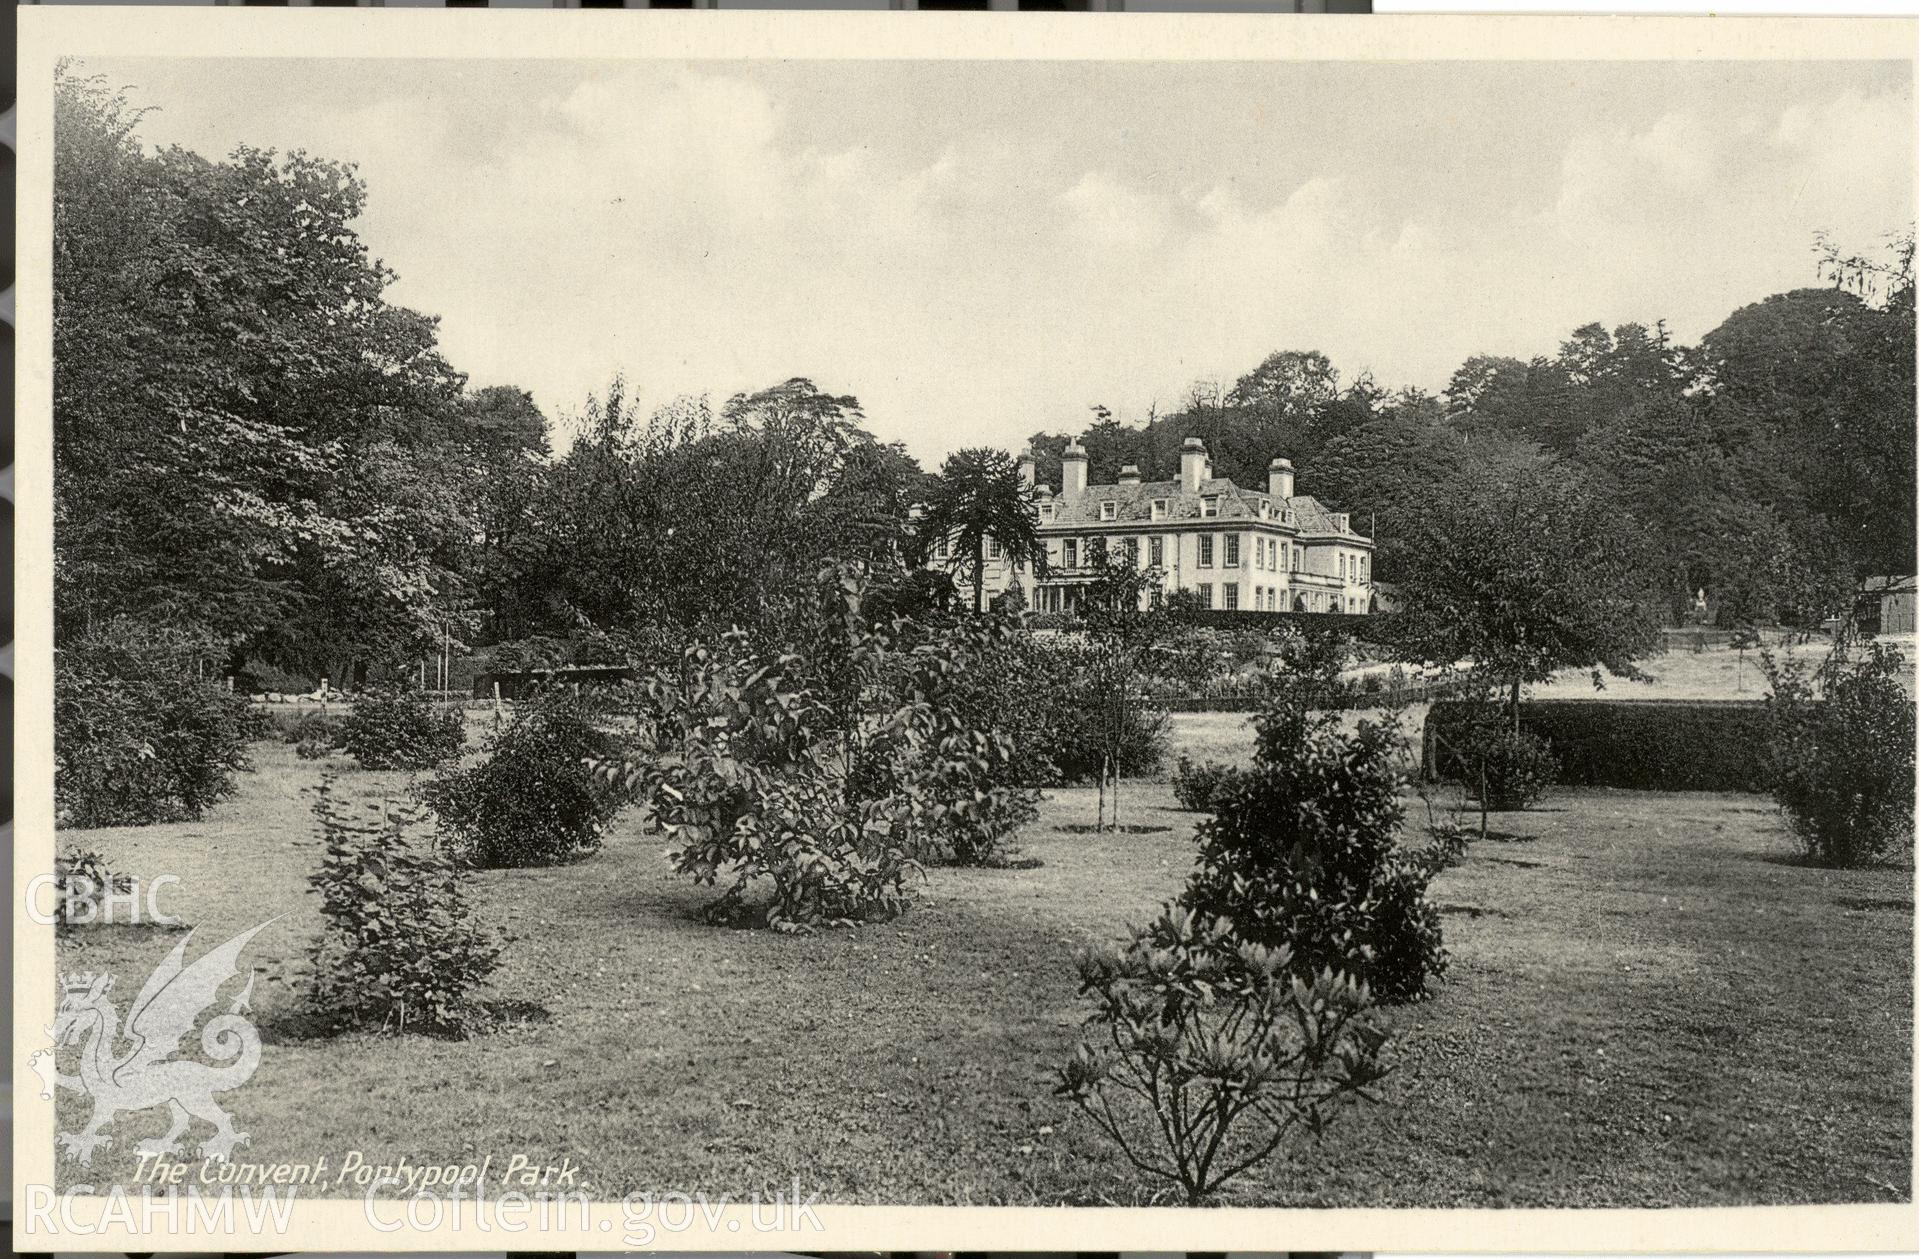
[[1135, 506]]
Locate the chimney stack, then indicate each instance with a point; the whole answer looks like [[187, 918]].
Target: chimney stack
[[1072, 469], [1193, 465], [1129, 475], [1279, 478], [1028, 469]]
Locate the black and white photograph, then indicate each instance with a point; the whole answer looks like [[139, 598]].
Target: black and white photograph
[[662, 632]]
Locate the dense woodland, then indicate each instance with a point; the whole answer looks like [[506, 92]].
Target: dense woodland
[[258, 450], [1768, 465]]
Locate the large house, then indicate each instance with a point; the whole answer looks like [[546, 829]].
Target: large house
[[1239, 549]]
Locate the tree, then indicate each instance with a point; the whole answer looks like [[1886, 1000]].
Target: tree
[[681, 524], [1123, 620], [249, 439], [1385, 469], [503, 436], [978, 498], [1815, 391], [1524, 577]]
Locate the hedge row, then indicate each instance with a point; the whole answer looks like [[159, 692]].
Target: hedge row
[[1375, 627], [1648, 744], [1354, 698]]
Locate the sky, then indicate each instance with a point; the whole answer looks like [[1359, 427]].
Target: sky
[[980, 250]]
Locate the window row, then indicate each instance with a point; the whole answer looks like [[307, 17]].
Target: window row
[[1225, 550]]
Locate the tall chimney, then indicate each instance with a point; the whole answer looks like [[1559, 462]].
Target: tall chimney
[[1192, 465], [1129, 475], [1279, 478], [1028, 469], [1072, 469]]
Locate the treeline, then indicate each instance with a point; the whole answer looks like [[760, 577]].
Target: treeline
[[259, 452], [1769, 465]]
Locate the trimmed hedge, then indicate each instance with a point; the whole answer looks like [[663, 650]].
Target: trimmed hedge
[[1366, 626], [1647, 744]]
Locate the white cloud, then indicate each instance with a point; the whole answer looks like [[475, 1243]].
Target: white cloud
[[973, 282]]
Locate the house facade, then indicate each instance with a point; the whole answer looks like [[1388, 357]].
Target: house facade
[[1237, 549]]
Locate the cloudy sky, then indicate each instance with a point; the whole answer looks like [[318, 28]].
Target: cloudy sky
[[979, 250]]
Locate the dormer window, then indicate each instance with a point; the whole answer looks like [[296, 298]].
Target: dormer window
[[1265, 509], [1159, 509], [1109, 510], [1045, 511], [1209, 506]]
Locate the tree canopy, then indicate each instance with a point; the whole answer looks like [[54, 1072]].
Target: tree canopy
[[249, 440], [1769, 465], [256, 449], [1526, 576]]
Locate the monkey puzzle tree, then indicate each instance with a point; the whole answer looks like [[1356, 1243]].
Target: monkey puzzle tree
[[978, 498]]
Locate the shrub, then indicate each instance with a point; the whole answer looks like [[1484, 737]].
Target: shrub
[[1302, 853], [1513, 770], [1641, 744], [823, 769], [1039, 690], [313, 749], [744, 768], [1078, 743], [1061, 683], [80, 881], [398, 951], [139, 735], [534, 799], [306, 726], [957, 768], [400, 729], [1196, 786], [1206, 1053], [743, 785], [1841, 766]]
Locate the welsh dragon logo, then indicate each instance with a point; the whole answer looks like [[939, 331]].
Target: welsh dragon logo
[[144, 1073]]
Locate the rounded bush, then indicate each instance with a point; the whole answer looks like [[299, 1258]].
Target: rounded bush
[[533, 800], [139, 735], [1841, 758], [401, 730], [312, 749], [1198, 786], [1303, 854]]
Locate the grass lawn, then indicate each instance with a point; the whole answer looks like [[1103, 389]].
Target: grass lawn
[[1649, 1004], [1718, 672]]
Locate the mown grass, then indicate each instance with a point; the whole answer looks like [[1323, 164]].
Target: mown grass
[[1650, 1003]]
